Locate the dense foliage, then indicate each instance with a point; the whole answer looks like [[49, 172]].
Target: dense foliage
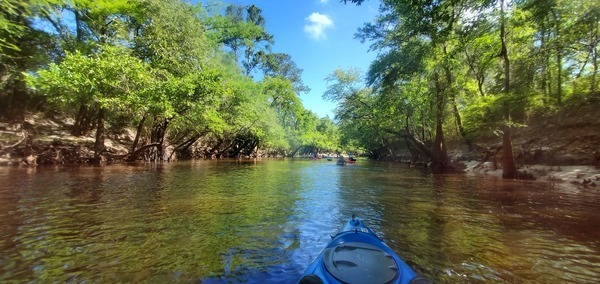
[[201, 80], [180, 74], [463, 69]]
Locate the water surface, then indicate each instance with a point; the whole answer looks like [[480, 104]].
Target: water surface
[[264, 221]]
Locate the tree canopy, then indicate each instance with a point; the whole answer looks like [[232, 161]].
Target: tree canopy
[[178, 73], [465, 69], [201, 80]]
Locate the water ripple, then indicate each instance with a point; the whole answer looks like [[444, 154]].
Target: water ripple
[[264, 221]]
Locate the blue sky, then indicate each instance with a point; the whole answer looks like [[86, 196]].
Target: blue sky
[[319, 35]]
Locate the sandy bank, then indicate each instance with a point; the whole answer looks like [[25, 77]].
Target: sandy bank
[[564, 176]]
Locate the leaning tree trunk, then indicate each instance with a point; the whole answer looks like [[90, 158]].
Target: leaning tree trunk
[[293, 153], [413, 149], [214, 149], [132, 157], [254, 148], [239, 148], [182, 148], [234, 142], [438, 153]]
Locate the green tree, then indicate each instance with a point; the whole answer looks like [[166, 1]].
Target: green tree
[[282, 65], [162, 67], [355, 112], [22, 48], [109, 80], [242, 29], [423, 41], [171, 36], [82, 26]]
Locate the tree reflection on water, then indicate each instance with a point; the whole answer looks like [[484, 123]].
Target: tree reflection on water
[[264, 221]]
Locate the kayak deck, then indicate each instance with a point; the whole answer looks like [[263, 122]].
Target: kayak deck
[[357, 255]]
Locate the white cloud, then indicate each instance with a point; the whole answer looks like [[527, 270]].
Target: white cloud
[[317, 23], [324, 1]]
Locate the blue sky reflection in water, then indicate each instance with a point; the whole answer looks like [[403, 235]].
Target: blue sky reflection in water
[[263, 222]]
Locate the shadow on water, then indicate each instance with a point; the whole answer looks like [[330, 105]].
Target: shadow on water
[[230, 221]]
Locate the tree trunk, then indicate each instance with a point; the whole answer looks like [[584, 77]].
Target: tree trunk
[[415, 142], [188, 143], [214, 148], [480, 82], [543, 79], [440, 156], [77, 127], [414, 151], [479, 75], [455, 112], [137, 152], [423, 117], [594, 51], [461, 128], [509, 169], [254, 149], [293, 153], [99, 144], [559, 76], [138, 133], [239, 149], [233, 143], [83, 121], [440, 163], [136, 141], [558, 57], [594, 87], [159, 130], [78, 29]]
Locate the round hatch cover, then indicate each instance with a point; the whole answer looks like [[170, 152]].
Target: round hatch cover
[[356, 262]]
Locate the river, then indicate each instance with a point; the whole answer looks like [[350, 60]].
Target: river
[[263, 221]]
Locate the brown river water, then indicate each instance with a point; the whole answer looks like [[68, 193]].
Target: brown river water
[[264, 221]]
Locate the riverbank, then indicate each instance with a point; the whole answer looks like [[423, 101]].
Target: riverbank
[[578, 176], [560, 148], [45, 140]]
